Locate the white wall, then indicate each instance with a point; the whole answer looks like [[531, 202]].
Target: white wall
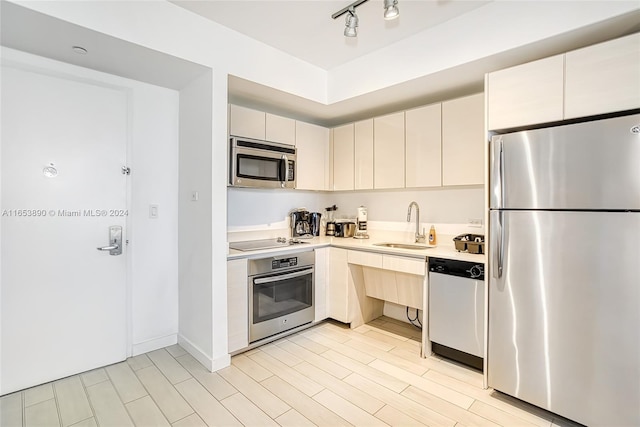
[[194, 218], [455, 205], [438, 205], [154, 242], [152, 156], [254, 206]]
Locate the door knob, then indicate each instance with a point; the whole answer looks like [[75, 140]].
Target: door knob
[[115, 241]]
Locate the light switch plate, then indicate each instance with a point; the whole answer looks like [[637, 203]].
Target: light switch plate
[[153, 211]]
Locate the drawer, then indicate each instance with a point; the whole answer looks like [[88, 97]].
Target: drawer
[[404, 264], [368, 259]]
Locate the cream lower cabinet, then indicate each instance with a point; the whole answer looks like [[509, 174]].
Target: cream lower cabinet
[[423, 145], [347, 301], [312, 144], [603, 78], [321, 280], [463, 141], [382, 277], [400, 280], [237, 304], [388, 151], [337, 287]]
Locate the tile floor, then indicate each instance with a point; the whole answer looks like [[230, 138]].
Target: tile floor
[[327, 375]]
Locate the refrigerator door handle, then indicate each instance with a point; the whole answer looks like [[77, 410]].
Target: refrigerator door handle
[[498, 252], [501, 174], [497, 172]]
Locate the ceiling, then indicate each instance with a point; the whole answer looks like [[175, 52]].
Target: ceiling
[[306, 30], [33, 32]]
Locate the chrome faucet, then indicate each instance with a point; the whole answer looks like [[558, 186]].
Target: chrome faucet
[[420, 238]]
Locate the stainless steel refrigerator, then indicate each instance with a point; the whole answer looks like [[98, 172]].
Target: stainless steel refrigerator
[[564, 284]]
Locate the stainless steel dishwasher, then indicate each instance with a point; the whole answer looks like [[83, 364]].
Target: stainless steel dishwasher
[[456, 310]]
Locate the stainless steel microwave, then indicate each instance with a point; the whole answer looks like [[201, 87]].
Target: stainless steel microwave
[[256, 163]]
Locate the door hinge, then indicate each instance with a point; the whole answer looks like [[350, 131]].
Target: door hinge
[[126, 170]]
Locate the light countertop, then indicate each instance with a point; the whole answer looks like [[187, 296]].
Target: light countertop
[[444, 250]]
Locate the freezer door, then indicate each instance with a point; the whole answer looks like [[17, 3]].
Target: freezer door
[[564, 314], [592, 165]]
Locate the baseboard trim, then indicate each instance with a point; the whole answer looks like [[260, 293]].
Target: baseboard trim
[[153, 344], [221, 362]]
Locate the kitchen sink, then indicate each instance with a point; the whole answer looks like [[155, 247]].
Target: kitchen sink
[[403, 246]]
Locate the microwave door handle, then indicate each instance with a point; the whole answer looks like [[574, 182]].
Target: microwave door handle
[[284, 171], [273, 279]]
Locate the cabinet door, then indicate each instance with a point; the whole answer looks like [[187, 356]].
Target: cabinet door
[[364, 155], [338, 286], [320, 285], [237, 304], [343, 149], [388, 157], [246, 122], [280, 129], [312, 143], [423, 141], [603, 78], [463, 141], [526, 94]]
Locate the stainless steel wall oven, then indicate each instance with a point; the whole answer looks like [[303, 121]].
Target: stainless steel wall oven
[[281, 293]]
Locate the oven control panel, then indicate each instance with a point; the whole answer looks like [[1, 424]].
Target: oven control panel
[[284, 263]]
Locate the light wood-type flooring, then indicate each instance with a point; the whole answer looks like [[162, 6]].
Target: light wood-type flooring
[[327, 375]]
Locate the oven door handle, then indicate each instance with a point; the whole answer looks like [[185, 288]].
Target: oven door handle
[[272, 279]]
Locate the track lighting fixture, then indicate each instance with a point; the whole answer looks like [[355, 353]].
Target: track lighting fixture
[[391, 9], [351, 23]]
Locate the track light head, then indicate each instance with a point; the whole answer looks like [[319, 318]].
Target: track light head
[[391, 10], [351, 24]]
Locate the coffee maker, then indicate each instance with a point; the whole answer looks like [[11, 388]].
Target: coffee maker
[[304, 224], [300, 223]]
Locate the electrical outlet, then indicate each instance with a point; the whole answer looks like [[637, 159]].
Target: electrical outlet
[[474, 222]]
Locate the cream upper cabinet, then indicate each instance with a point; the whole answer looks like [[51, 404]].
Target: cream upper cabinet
[[363, 155], [280, 129], [463, 141], [526, 94], [603, 78], [312, 143], [343, 157], [388, 151], [246, 122], [423, 129]]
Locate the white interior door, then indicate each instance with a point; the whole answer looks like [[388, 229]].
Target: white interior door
[[64, 303]]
